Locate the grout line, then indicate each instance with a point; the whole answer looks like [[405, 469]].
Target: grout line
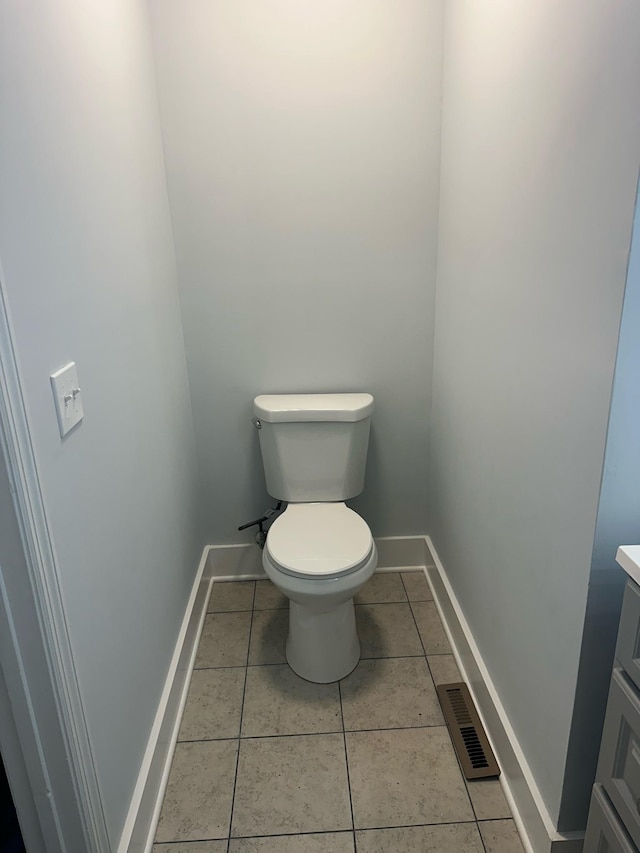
[[404, 586], [330, 831], [466, 785], [484, 820], [406, 600], [321, 734], [439, 654], [244, 692], [427, 654], [284, 663], [473, 808], [415, 622], [492, 819], [324, 832], [346, 763], [412, 825], [229, 610], [248, 610], [269, 609], [484, 846], [415, 600]]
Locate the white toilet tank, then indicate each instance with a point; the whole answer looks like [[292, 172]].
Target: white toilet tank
[[314, 446]]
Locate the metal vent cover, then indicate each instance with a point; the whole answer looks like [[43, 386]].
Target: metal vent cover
[[467, 733]]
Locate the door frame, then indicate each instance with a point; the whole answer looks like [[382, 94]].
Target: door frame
[[43, 730]]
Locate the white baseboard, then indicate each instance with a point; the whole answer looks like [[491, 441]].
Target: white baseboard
[[530, 813], [244, 562], [396, 553], [234, 563], [144, 811]]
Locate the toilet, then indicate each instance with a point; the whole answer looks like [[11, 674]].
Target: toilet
[[319, 552]]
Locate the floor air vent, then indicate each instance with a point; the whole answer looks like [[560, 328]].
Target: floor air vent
[[469, 739]]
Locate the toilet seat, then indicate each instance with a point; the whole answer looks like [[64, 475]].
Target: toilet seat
[[319, 540]]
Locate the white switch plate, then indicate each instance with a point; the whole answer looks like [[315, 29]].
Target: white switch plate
[[66, 392]]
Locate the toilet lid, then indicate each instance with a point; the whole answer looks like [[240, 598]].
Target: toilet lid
[[320, 539]]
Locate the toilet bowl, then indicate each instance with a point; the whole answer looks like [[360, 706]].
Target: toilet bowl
[[319, 555]]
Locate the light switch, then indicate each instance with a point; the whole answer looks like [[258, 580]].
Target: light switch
[[68, 397]]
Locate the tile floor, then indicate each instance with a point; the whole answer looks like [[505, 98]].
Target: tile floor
[[269, 763]]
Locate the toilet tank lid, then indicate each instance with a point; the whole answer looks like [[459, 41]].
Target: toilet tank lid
[[279, 408]]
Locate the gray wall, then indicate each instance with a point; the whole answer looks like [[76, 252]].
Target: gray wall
[[86, 249], [618, 523], [541, 135], [302, 148]]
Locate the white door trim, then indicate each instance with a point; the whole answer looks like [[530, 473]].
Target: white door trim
[[31, 819], [51, 629]]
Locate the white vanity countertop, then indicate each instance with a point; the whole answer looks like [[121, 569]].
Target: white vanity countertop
[[628, 557]]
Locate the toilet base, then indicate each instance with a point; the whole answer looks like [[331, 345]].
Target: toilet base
[[322, 646]]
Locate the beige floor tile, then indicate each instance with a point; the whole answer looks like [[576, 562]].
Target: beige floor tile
[[269, 597], [334, 842], [487, 799], [431, 630], [444, 669], [214, 704], [387, 630], [192, 847], [231, 595], [197, 803], [389, 693], [291, 785], [224, 640], [279, 702], [269, 636], [405, 777], [416, 586], [448, 838], [500, 836], [382, 587]]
